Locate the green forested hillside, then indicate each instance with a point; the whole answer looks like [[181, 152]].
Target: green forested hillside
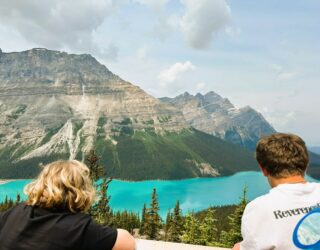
[[146, 155]]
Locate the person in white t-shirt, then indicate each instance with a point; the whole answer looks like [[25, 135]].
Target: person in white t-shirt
[[268, 221]]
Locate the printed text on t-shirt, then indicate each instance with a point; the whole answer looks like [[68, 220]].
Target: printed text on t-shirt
[[292, 212]]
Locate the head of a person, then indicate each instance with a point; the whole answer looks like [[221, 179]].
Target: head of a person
[[62, 185], [282, 155]]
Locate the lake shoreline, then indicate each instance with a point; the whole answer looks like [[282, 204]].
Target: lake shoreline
[[4, 181]]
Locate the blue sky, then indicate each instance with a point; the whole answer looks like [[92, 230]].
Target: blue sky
[[259, 53]]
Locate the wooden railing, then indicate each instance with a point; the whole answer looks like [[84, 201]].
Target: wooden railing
[[162, 245]]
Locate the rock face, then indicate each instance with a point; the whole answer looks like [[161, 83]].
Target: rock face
[[57, 105], [44, 91], [215, 115]]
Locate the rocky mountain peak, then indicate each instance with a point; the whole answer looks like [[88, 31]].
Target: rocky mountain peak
[[53, 102], [216, 115], [46, 71]]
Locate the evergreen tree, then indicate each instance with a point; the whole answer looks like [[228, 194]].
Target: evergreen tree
[[167, 225], [102, 206], [143, 220], [191, 233], [101, 210], [126, 220], [234, 234], [7, 204], [208, 228], [18, 199], [176, 224], [153, 223], [96, 170]]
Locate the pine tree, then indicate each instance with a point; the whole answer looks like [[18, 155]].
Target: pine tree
[[96, 170], [101, 211], [167, 225], [191, 233], [18, 199], [102, 205], [126, 220], [143, 220], [234, 234], [208, 228], [153, 223], [176, 224]]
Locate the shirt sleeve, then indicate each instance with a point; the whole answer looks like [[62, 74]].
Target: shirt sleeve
[[249, 240], [100, 237]]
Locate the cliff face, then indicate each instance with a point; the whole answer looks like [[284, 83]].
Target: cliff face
[[42, 92], [215, 115], [56, 105]]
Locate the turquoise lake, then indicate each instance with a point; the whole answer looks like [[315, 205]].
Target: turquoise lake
[[193, 194]]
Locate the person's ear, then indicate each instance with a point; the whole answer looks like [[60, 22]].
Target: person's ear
[[264, 171]]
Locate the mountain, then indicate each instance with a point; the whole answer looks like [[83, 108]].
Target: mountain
[[315, 150], [314, 165], [56, 105], [215, 115]]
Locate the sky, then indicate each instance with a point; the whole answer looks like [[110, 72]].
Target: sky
[[264, 53]]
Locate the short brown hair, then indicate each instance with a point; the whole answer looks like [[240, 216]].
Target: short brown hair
[[62, 184], [282, 155]]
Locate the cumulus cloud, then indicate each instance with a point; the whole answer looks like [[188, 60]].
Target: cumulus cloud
[[174, 72], [202, 20], [58, 24]]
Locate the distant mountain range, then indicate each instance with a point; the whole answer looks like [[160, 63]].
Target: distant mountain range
[[56, 105], [315, 150], [215, 115]]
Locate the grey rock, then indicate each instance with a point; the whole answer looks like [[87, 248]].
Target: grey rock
[[55, 102], [216, 115]]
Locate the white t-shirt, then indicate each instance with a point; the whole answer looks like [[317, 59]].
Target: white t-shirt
[[268, 222]]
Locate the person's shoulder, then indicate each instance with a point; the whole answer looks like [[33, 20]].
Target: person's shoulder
[[17, 208], [314, 184], [13, 212], [260, 202], [78, 217]]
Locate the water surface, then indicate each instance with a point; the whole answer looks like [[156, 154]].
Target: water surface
[[193, 194]]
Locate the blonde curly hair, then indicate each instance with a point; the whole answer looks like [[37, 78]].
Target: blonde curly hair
[[62, 184]]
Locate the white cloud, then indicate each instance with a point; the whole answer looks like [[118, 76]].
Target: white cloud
[[202, 20], [58, 24], [174, 72]]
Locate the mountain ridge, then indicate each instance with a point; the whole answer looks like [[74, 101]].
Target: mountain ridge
[[58, 105], [54, 105], [216, 115]]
